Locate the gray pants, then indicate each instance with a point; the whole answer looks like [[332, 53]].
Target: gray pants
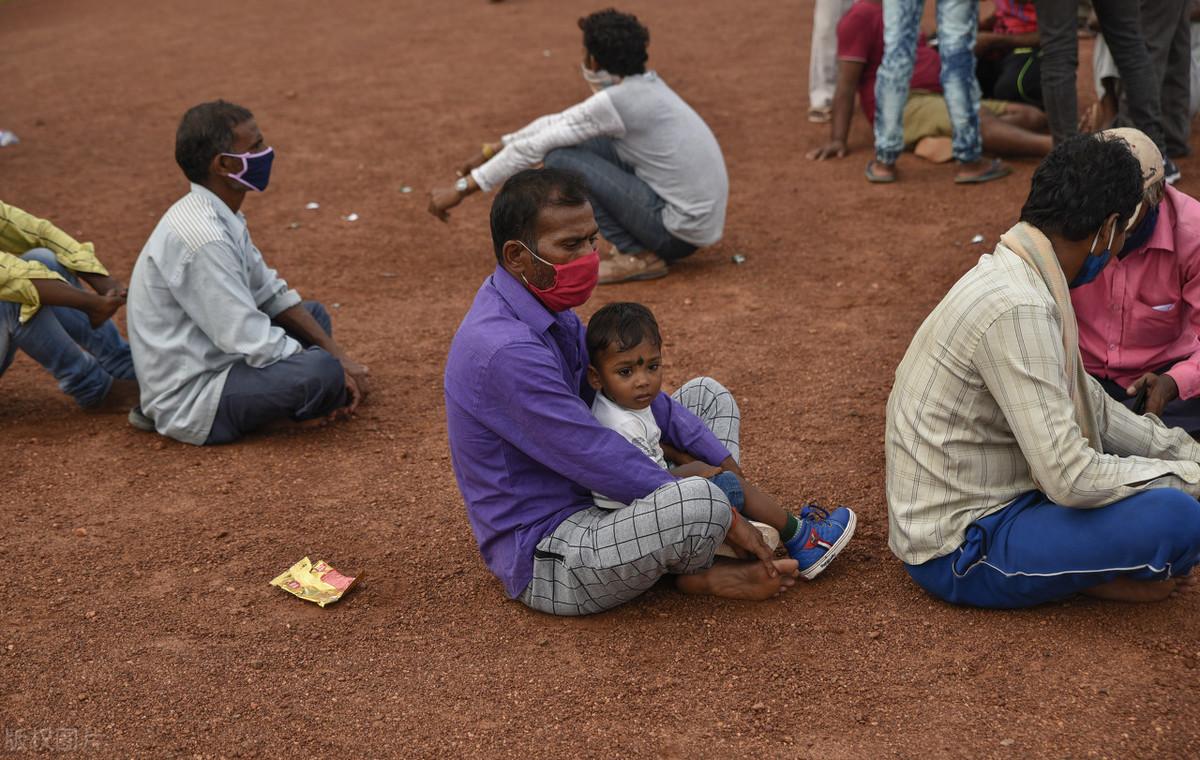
[[600, 558], [1058, 25], [304, 386]]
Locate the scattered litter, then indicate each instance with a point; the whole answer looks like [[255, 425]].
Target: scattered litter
[[294, 226], [290, 94], [337, 306], [8, 138], [389, 274], [406, 189], [545, 53], [351, 217], [977, 239], [738, 258], [317, 582], [312, 205]]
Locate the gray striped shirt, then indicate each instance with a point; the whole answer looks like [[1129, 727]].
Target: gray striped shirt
[[979, 414], [201, 298]]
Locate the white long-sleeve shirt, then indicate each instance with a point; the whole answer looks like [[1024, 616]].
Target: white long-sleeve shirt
[[666, 142], [200, 299]]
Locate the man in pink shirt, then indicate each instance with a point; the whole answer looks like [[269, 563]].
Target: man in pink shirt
[[1140, 317]]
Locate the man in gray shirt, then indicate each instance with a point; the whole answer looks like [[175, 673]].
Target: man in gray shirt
[[655, 174], [221, 344]]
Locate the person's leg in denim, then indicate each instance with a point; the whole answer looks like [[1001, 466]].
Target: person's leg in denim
[[901, 27], [957, 21], [84, 360], [628, 211]]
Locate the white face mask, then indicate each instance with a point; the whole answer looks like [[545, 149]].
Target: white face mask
[[598, 80]]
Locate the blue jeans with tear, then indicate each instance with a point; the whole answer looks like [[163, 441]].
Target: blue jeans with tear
[[957, 21], [84, 360]]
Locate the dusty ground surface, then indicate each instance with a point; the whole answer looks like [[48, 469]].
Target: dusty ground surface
[[138, 612]]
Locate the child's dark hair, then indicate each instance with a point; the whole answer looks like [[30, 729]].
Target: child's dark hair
[[624, 325]]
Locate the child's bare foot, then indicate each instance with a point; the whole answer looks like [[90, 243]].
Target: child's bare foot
[[938, 150], [1129, 590], [741, 580]]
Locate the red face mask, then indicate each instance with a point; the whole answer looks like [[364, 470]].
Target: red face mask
[[573, 281]]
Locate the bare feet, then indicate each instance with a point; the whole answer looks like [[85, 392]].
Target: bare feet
[[937, 150], [741, 580], [1129, 590], [122, 395]]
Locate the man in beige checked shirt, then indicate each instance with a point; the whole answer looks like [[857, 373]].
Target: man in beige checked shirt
[[1012, 478]]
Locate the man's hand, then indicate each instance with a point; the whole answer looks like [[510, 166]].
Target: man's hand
[[481, 158], [102, 307], [358, 387], [1160, 391], [745, 536], [831, 149], [696, 468], [105, 285], [441, 200], [360, 374]]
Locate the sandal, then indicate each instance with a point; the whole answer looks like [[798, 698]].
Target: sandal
[[996, 170], [622, 267], [878, 179]]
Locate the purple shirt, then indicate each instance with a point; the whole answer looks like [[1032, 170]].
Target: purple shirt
[[526, 450]]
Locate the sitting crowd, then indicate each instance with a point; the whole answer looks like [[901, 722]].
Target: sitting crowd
[[1039, 433]]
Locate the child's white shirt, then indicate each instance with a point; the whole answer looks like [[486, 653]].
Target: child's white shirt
[[634, 425]]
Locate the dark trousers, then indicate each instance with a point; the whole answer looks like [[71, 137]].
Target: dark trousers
[[1120, 23], [1017, 77], [304, 386], [1168, 33]]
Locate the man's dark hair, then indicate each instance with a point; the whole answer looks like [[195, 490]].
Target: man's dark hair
[[1081, 183], [616, 40], [516, 207], [623, 325], [205, 131]]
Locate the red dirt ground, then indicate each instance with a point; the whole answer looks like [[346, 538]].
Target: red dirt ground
[[154, 633]]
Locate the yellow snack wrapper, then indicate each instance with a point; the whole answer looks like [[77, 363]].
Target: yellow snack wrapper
[[317, 582]]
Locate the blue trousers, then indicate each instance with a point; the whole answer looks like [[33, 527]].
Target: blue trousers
[[957, 21], [304, 386], [84, 360], [1035, 551], [628, 212]]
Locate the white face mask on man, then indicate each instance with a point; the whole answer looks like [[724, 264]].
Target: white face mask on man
[[599, 79]]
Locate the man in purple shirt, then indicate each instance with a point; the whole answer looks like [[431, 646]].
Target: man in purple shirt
[[528, 453]]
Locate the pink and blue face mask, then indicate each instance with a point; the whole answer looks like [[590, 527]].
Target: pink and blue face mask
[[256, 169]]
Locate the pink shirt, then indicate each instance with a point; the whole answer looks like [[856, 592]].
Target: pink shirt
[[1143, 312]]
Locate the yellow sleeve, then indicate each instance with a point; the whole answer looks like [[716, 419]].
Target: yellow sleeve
[[16, 283], [21, 232]]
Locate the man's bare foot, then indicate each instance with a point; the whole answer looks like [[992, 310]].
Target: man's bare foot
[[1129, 590], [122, 395], [937, 150], [741, 580]]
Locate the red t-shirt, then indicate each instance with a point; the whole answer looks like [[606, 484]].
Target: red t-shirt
[[860, 38], [1015, 17]]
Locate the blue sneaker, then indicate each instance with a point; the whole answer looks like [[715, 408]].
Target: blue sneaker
[[821, 537]]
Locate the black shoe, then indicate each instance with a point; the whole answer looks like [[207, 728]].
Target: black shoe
[[1172, 172]]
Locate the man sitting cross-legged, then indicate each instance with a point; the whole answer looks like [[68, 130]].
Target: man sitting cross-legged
[[1012, 477], [528, 453], [221, 344]]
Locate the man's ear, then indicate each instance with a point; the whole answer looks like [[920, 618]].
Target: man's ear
[[218, 169], [593, 377], [511, 255]]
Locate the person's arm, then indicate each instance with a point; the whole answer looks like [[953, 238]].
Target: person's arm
[[209, 287], [1185, 374], [1127, 434], [1020, 358], [526, 402], [21, 231], [594, 117], [986, 42], [849, 74], [684, 432]]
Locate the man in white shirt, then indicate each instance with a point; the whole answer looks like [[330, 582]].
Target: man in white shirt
[[655, 173], [1012, 477], [222, 345]]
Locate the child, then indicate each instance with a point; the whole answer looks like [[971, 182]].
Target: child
[[625, 367]]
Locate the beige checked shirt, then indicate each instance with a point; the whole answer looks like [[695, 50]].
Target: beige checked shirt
[[979, 414]]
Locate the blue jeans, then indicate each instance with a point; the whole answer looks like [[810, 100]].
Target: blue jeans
[[84, 360], [957, 21], [628, 211], [1035, 551], [304, 386], [732, 488]]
